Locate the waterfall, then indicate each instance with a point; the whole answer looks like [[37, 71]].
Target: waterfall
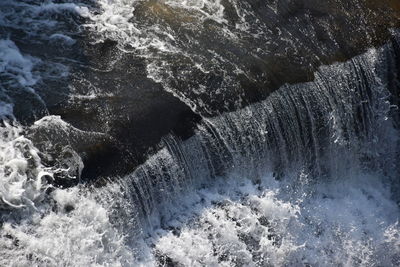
[[305, 139], [291, 158], [320, 128]]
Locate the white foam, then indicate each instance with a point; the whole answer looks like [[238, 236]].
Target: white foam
[[15, 65], [23, 179], [113, 21], [77, 232], [205, 9], [346, 221], [349, 221], [70, 228]]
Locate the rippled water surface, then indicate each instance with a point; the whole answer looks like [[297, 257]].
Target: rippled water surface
[[199, 133]]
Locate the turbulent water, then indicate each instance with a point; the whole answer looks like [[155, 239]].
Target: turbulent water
[[307, 175]]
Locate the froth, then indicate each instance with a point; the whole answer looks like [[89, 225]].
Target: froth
[[23, 178]]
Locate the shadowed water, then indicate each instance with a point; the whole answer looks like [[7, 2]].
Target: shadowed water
[[303, 175]]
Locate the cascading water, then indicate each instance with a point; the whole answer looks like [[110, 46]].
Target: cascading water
[[268, 185], [306, 176]]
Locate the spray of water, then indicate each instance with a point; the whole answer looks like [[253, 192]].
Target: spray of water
[[306, 177]]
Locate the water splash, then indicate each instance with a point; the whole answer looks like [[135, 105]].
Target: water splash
[[346, 222], [24, 179], [305, 177]]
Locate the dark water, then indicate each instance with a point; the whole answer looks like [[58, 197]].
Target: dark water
[[199, 133]]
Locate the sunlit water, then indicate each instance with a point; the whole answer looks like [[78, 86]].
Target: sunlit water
[[307, 177]]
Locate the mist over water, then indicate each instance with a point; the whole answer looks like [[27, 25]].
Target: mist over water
[[306, 176]]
